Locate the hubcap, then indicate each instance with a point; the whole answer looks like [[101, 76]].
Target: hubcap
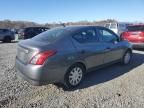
[[127, 58], [75, 76]]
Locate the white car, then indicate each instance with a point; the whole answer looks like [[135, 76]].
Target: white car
[[116, 27]]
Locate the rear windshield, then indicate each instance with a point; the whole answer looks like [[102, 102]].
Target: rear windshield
[[51, 35], [135, 28]]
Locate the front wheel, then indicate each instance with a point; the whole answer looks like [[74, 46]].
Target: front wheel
[[74, 76], [127, 57]]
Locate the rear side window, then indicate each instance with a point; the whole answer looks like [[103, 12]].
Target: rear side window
[[86, 36], [39, 30], [51, 35], [135, 28]]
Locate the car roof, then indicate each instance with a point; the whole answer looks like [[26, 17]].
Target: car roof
[[78, 27], [34, 27]]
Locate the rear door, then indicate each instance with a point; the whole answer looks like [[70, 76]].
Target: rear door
[[89, 48], [113, 47]]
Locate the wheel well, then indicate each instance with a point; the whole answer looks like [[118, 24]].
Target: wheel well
[[81, 64]]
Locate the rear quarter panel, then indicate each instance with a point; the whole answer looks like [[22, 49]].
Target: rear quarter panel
[[65, 57], [126, 45]]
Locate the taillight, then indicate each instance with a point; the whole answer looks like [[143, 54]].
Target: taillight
[[40, 58], [142, 34], [125, 34]]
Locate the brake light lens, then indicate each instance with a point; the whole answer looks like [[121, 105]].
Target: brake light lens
[[40, 58], [142, 34], [125, 34]]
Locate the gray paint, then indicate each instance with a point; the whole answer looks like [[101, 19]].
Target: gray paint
[[69, 52]]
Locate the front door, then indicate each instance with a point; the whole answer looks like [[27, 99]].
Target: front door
[[113, 49]]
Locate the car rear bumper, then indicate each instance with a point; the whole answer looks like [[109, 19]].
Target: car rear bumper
[[137, 45], [39, 75], [31, 81]]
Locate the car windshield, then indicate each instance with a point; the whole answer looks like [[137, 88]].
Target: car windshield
[[136, 28], [50, 35]]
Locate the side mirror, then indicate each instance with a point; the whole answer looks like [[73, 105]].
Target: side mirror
[[115, 42]]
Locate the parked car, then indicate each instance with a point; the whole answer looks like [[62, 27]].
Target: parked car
[[30, 32], [6, 35], [117, 27], [64, 55], [135, 35]]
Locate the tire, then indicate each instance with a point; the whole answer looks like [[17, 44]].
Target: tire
[[74, 76], [126, 57], [7, 39]]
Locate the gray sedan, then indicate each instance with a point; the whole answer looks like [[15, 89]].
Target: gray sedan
[[64, 55]]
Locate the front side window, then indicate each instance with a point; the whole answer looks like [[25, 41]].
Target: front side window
[[107, 36], [86, 36]]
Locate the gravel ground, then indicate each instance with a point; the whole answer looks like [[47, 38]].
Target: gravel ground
[[116, 86]]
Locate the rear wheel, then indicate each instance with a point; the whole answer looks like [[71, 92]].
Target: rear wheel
[[127, 57], [74, 75]]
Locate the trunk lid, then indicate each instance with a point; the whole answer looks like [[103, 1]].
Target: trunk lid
[[26, 49]]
